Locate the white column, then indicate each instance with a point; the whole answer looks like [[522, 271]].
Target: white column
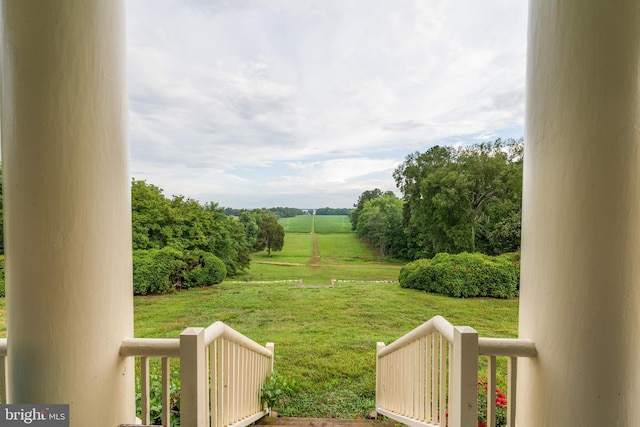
[[580, 286], [67, 207]]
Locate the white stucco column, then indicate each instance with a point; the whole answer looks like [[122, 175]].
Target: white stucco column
[[67, 207], [580, 285]]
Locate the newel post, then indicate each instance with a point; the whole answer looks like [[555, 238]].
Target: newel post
[[379, 347], [193, 379], [464, 371], [271, 347]]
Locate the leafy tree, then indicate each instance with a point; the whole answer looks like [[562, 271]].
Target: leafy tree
[[365, 197], [151, 216], [250, 226], [332, 211], [186, 225], [270, 234], [380, 222], [462, 199]]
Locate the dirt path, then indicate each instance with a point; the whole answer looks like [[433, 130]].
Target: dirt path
[[315, 258]]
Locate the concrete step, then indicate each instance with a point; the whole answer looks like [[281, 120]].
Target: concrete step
[[321, 422]]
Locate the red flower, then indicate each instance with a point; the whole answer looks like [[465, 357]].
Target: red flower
[[482, 424]]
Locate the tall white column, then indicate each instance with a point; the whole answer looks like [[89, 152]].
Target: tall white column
[[580, 286], [67, 207]]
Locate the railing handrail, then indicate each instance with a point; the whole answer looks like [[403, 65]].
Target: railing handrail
[[150, 347], [436, 323], [510, 347], [220, 330]]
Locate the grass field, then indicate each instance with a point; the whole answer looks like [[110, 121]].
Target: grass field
[[325, 338], [297, 224], [332, 224], [316, 223]]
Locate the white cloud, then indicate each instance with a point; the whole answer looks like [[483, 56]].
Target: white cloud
[[224, 95]]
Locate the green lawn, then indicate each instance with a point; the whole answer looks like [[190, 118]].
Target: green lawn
[[297, 224], [345, 249], [298, 248], [325, 338], [332, 224], [317, 223]]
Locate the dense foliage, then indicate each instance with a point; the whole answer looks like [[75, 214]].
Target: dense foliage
[[270, 234], [157, 271], [333, 211], [280, 212], [364, 198], [380, 223], [462, 199], [186, 225], [464, 275]]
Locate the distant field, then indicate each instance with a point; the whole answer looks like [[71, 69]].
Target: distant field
[[297, 248], [297, 224], [342, 257], [317, 223], [343, 248], [332, 224]]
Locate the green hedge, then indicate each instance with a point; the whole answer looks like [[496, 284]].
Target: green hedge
[[464, 275], [158, 271]]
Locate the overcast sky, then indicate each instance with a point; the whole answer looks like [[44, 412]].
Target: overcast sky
[[309, 103]]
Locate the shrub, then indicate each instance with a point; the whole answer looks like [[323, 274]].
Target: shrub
[[275, 390], [155, 271], [203, 269], [464, 275], [155, 399], [158, 271]]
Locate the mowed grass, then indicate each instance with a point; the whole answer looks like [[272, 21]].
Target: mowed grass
[[298, 248], [316, 223], [325, 338], [332, 224], [345, 249], [297, 224], [343, 257]]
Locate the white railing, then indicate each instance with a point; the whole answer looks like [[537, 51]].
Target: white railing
[[221, 373], [429, 377], [146, 348]]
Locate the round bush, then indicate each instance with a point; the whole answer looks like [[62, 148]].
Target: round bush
[[155, 271], [203, 269], [464, 275]]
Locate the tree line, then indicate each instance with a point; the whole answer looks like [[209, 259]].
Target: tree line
[[454, 199], [180, 243]]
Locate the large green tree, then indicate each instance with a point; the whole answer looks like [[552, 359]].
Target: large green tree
[[359, 206], [186, 225], [270, 234], [462, 199], [380, 222]]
